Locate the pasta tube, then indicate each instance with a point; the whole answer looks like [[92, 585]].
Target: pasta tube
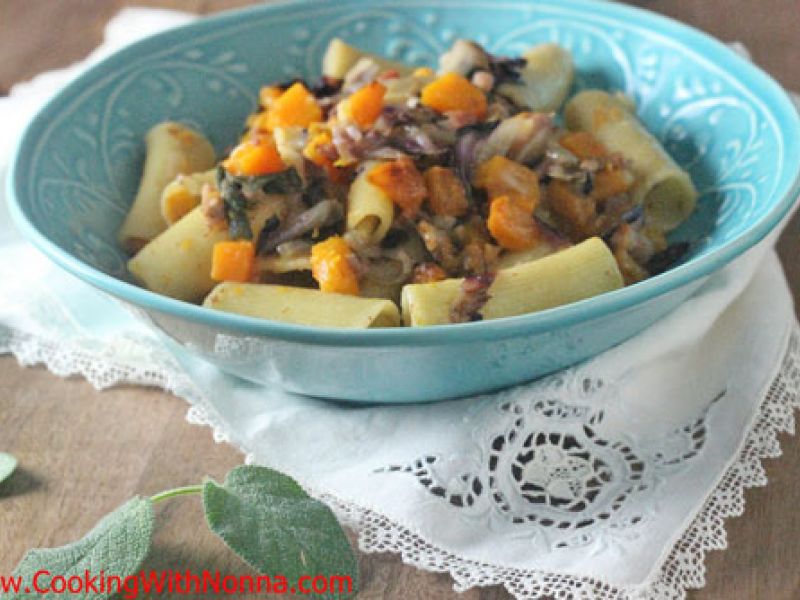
[[340, 57], [302, 306], [177, 263], [370, 211], [545, 80], [183, 193], [540, 250], [664, 189], [171, 149], [579, 272]]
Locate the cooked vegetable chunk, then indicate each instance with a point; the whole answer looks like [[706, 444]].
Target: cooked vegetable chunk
[[233, 260], [255, 157], [332, 268], [296, 107], [402, 182], [454, 93]]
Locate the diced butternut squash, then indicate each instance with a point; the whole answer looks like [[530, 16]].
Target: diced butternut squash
[[254, 157], [331, 267], [446, 195], [296, 107], [501, 176], [312, 150], [233, 260], [268, 94], [512, 225], [366, 104], [453, 92], [257, 124], [583, 145], [608, 183], [402, 182], [578, 213]]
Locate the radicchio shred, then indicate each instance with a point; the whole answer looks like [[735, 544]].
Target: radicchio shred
[[472, 297]]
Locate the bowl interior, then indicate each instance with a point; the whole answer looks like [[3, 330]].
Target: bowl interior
[[78, 167]]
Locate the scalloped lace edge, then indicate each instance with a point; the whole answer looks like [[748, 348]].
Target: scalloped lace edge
[[682, 570]]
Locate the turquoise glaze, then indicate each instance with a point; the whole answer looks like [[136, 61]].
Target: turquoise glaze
[[77, 168]]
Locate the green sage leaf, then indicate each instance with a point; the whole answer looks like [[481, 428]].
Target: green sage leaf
[[284, 182], [271, 523], [8, 465], [236, 205], [117, 545]]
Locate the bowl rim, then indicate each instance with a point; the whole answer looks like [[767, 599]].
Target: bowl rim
[[690, 39]]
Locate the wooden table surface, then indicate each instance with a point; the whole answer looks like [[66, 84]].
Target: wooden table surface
[[82, 453]]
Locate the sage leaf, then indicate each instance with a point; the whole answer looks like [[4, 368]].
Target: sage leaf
[[8, 465], [284, 182], [240, 193], [275, 527], [117, 545]]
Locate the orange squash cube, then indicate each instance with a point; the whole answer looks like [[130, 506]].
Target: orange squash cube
[[446, 195], [233, 260], [254, 157], [268, 94], [331, 268], [453, 92], [366, 104], [296, 107], [512, 225], [501, 176], [402, 182]]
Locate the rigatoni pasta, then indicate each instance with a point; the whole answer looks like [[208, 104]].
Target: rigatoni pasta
[[664, 189], [545, 79], [302, 306], [582, 271], [340, 58], [370, 211], [171, 149], [178, 262], [183, 194], [454, 194]]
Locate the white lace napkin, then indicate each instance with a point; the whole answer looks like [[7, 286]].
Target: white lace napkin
[[608, 480]]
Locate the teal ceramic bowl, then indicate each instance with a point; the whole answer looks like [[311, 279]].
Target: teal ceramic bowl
[[76, 171]]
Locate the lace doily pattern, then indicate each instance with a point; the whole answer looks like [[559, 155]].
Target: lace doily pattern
[[550, 467]]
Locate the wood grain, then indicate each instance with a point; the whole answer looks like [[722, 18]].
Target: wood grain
[[82, 453]]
